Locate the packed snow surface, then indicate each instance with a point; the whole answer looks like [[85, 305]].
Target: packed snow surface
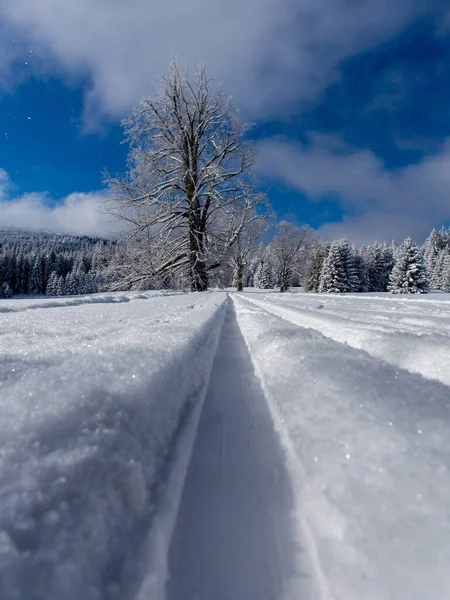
[[93, 401], [179, 446], [367, 440]]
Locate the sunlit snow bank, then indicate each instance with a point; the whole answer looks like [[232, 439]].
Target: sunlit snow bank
[[369, 449], [411, 333], [30, 302], [92, 398]]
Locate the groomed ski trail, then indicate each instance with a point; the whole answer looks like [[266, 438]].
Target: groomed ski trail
[[235, 533]]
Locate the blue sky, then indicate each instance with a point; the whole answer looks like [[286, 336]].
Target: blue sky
[[350, 101]]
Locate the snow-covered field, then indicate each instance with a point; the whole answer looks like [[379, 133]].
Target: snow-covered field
[[212, 446]]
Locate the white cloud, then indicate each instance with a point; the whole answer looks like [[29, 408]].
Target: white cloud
[[78, 213], [268, 52], [377, 203]]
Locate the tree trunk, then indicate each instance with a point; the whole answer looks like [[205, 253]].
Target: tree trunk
[[239, 277], [284, 283], [197, 266]]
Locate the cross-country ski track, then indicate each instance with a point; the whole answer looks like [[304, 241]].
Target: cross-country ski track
[[235, 532], [219, 446]]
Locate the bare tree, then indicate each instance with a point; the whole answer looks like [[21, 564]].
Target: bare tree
[[288, 249], [186, 188], [246, 240]]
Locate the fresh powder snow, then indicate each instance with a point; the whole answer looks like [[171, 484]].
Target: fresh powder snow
[[248, 446]]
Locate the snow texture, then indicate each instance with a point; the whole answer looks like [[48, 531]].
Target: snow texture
[[170, 446], [94, 400], [367, 442], [410, 333], [236, 535]]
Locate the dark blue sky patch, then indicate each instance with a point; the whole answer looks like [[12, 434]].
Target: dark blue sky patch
[[42, 143], [394, 100]]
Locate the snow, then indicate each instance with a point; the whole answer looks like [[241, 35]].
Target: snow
[[94, 399], [236, 531], [30, 302], [367, 441], [405, 332], [172, 446]]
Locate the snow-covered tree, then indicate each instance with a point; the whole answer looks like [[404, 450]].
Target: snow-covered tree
[[334, 275], [37, 276], [287, 250], [311, 280], [29, 260], [435, 248], [5, 290], [379, 262], [186, 189], [264, 276], [61, 287], [445, 274], [409, 275], [243, 249], [52, 284]]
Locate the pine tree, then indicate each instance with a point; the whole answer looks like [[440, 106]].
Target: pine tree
[[445, 276], [5, 291], [409, 275], [360, 265], [311, 280], [352, 266], [37, 276], [61, 287], [432, 248], [386, 266], [263, 276], [71, 284], [437, 275], [334, 276], [52, 285]]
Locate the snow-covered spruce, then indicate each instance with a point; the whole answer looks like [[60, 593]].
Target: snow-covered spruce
[[409, 275], [263, 278], [334, 276]]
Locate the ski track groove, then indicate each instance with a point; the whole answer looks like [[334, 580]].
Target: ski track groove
[[288, 314], [235, 535]]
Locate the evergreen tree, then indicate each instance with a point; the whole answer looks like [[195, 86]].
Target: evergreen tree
[[363, 276], [386, 266], [434, 245], [5, 291], [263, 276], [445, 275], [311, 280], [71, 284], [409, 275], [61, 287], [37, 276], [52, 285], [437, 275], [352, 266], [334, 276]]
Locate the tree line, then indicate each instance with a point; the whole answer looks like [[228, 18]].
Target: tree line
[[59, 265], [52, 264]]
